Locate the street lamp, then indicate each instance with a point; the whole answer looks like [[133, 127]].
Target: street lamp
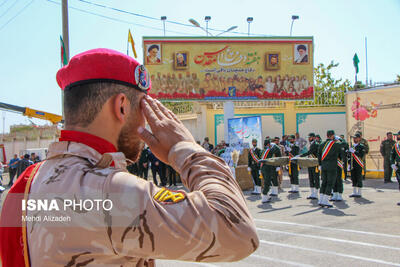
[[196, 24], [228, 30], [294, 17], [249, 20], [207, 19], [164, 18]]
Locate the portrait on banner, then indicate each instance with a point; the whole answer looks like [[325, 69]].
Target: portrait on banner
[[181, 60], [272, 60], [153, 54], [300, 54]]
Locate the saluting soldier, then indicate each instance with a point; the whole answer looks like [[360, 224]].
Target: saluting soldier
[[254, 166], [395, 159], [386, 152], [313, 172], [338, 186], [293, 150], [328, 155], [269, 172], [141, 221], [357, 164]]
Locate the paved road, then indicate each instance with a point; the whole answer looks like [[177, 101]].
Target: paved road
[[294, 231]]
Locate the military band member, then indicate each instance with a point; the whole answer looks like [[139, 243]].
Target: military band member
[[364, 142], [328, 155], [395, 159], [292, 150], [313, 172], [357, 165], [269, 172], [106, 107], [280, 172], [345, 146], [386, 152], [338, 186], [254, 166]]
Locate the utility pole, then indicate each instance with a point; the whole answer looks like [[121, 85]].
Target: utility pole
[[65, 31], [366, 63]]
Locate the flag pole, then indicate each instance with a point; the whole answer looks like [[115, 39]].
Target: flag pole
[[127, 46]]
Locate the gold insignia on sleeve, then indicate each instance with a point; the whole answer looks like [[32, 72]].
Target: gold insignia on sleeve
[[169, 196]]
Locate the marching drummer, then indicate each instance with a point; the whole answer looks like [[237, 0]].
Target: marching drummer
[[269, 172], [292, 150], [313, 172]]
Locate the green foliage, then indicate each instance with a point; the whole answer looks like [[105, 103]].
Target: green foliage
[[398, 78], [328, 91]]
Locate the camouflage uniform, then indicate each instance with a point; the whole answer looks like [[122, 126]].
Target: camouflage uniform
[[211, 223]]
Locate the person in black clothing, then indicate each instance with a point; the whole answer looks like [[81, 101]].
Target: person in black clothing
[[357, 164], [23, 164], [157, 166], [144, 163], [292, 150], [171, 176], [313, 173]]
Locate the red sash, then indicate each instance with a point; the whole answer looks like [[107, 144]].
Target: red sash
[[266, 152], [326, 149], [396, 147], [359, 161], [340, 163], [253, 155], [13, 242]]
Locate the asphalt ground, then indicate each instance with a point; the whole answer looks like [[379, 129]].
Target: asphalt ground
[[294, 231]]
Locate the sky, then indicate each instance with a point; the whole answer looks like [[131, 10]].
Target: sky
[[30, 30]]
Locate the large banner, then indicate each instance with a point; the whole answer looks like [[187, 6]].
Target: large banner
[[234, 68], [244, 130], [374, 112]]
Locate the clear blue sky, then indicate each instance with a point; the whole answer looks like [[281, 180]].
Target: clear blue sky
[[30, 46]]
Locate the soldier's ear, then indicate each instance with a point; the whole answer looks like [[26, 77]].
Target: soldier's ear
[[120, 107]]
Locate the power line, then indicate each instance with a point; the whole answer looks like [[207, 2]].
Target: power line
[[5, 1], [16, 1], [114, 19], [156, 19], [16, 15]]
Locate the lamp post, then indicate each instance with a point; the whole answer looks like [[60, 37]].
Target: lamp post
[[196, 24], [294, 17], [207, 19], [249, 20], [228, 30], [163, 18]]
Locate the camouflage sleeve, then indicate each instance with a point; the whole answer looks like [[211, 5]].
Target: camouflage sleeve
[[211, 223]]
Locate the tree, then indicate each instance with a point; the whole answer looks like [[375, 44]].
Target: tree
[[328, 91], [398, 78]]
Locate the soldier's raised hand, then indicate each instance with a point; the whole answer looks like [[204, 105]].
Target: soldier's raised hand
[[166, 129]]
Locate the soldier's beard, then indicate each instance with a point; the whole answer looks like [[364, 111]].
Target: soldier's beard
[[129, 144]]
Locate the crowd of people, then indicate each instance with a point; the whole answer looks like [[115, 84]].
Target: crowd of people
[[170, 83], [166, 174], [330, 159], [18, 165]]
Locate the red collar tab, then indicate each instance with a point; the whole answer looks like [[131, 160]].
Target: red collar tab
[[99, 144]]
